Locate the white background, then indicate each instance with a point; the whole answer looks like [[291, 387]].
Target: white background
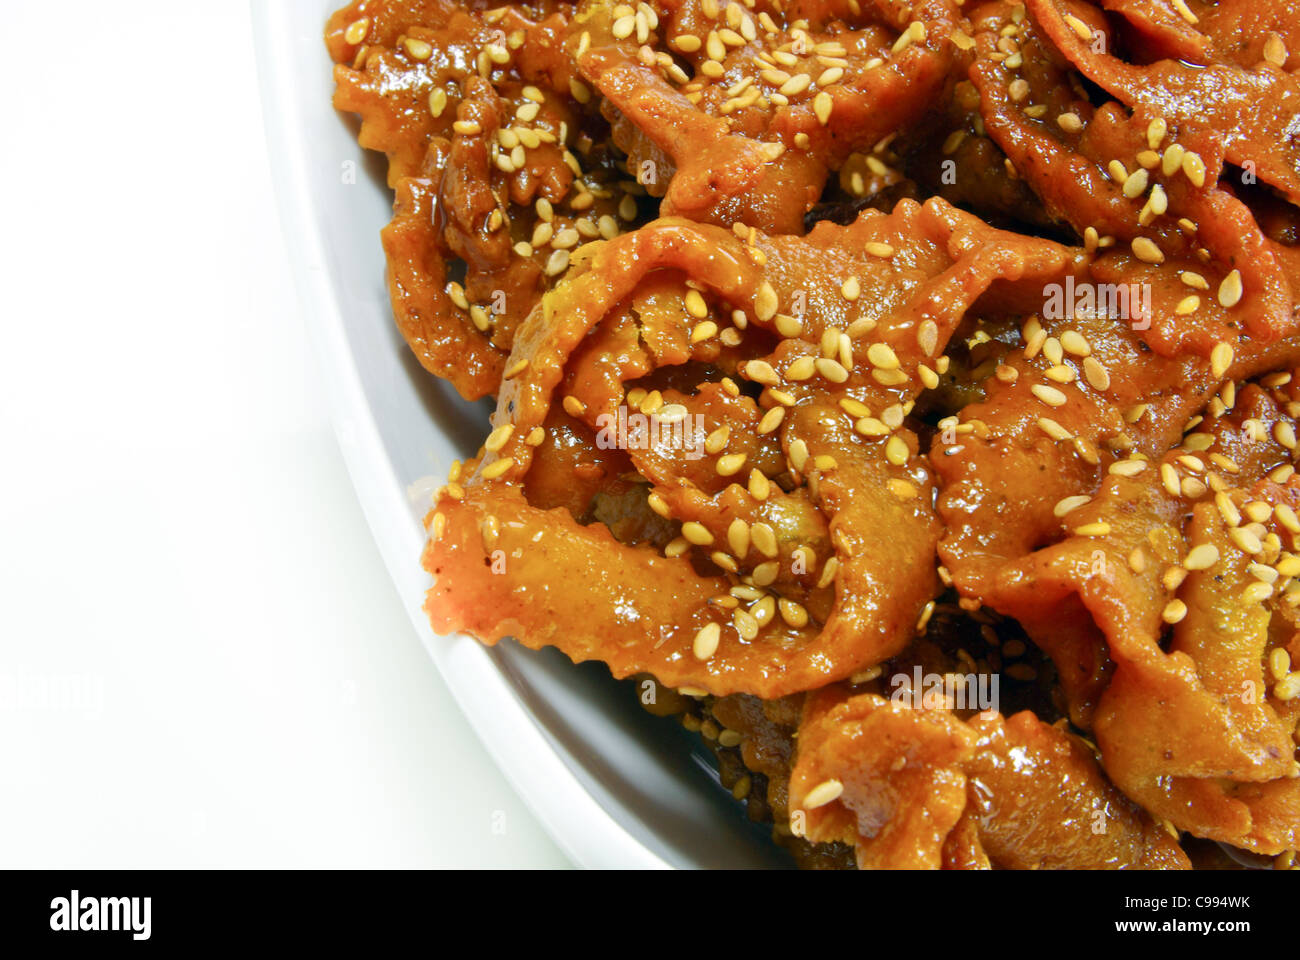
[[202, 660]]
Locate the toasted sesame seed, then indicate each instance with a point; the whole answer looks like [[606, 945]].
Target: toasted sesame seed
[[1174, 611], [1288, 688], [1049, 395], [1245, 540], [822, 106], [1230, 289], [831, 370], [1257, 592], [771, 419], [878, 249], [1096, 375], [696, 533], [788, 326], [1194, 168], [760, 371], [704, 331], [792, 613], [497, 467], [730, 464], [1053, 429], [1098, 529], [801, 368], [764, 539], [882, 355], [825, 792], [1220, 359], [1172, 161], [1081, 29], [1145, 249], [499, 437], [896, 451], [1284, 433], [706, 641], [1202, 557], [1127, 468], [1067, 504]]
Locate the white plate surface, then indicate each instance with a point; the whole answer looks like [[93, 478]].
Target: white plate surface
[[613, 785]]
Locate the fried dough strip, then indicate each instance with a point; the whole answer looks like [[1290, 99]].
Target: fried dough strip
[[1171, 725], [1250, 112], [771, 105], [913, 787], [879, 520]]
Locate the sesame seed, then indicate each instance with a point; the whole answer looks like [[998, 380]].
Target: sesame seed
[[832, 370], [878, 249], [1202, 557], [419, 49], [1098, 529], [798, 454], [1081, 29], [1053, 429], [716, 440], [1069, 122], [1174, 611], [1156, 131], [927, 336], [787, 326], [851, 289], [1097, 376], [706, 641], [1049, 395], [1257, 593], [1145, 249], [1275, 51], [1136, 184], [1172, 161], [730, 464], [1220, 359], [704, 331], [1066, 504], [1245, 540], [792, 613], [697, 534], [760, 371], [497, 467], [1289, 688], [825, 792], [1127, 468], [822, 106], [896, 451], [498, 437], [771, 420], [1194, 168], [758, 486], [1230, 289], [1284, 433], [882, 355]]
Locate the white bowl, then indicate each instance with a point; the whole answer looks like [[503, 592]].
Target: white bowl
[[613, 785]]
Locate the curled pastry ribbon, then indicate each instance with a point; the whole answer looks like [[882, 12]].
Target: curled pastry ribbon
[[857, 532], [714, 457]]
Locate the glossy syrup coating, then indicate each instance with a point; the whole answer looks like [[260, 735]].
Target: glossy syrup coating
[[836, 340]]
